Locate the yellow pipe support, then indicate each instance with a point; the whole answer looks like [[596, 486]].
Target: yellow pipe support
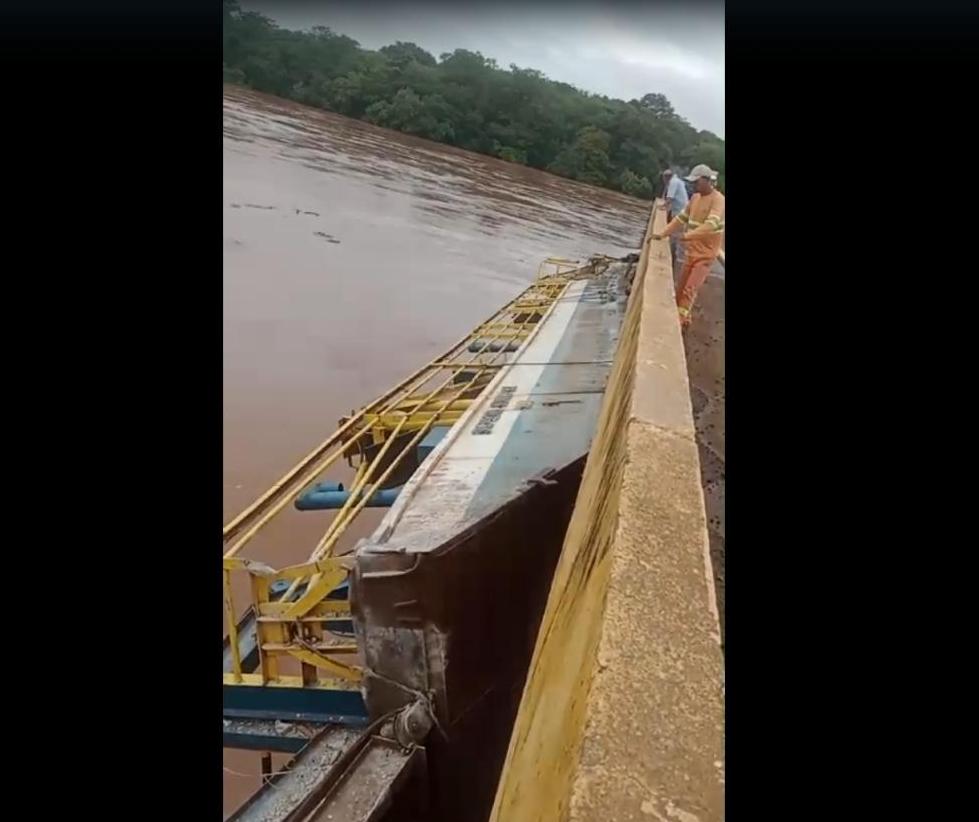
[[273, 639], [427, 466], [252, 566], [339, 521], [285, 483], [304, 569], [442, 404], [558, 263], [326, 544], [288, 648], [297, 475], [351, 673], [275, 611], [283, 610], [296, 478], [329, 539], [310, 474], [361, 481], [343, 616], [505, 329], [287, 492], [320, 584], [389, 421], [299, 483], [480, 365], [414, 406], [290, 681], [360, 471]]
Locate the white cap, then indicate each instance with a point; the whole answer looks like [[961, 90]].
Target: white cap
[[701, 171]]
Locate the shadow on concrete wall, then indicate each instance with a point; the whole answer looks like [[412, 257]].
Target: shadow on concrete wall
[[704, 343]]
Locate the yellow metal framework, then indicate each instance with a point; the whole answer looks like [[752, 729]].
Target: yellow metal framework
[[298, 624]]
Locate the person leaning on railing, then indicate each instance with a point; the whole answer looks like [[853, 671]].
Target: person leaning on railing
[[674, 201], [702, 224], [674, 194]]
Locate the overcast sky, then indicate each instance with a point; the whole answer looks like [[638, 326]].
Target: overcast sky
[[620, 49]]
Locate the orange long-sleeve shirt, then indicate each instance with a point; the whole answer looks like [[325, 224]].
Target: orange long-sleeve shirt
[[704, 220]]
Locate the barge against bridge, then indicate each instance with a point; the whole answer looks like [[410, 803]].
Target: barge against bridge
[[412, 651]]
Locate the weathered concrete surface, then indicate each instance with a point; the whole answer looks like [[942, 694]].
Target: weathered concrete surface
[[622, 714]]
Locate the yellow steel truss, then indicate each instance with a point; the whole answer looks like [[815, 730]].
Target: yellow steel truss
[[298, 624]]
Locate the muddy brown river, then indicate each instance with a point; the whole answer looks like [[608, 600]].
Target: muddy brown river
[[353, 255]]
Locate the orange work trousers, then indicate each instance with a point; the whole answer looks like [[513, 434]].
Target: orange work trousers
[[692, 277]]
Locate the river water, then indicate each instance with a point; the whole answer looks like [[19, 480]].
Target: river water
[[353, 255]]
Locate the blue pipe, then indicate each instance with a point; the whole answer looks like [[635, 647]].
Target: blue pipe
[[319, 488], [327, 486], [316, 499]]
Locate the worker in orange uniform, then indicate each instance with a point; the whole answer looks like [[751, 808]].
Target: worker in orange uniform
[[703, 221]]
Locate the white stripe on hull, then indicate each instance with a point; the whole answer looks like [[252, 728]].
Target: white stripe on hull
[[434, 501]]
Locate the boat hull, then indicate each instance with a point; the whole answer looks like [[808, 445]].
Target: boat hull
[[448, 593], [459, 624]]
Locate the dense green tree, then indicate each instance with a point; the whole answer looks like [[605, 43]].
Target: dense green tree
[[465, 99], [658, 106], [706, 150], [511, 154], [585, 159], [425, 116], [401, 54], [635, 185]]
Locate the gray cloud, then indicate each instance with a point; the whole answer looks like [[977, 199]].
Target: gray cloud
[[614, 49]]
